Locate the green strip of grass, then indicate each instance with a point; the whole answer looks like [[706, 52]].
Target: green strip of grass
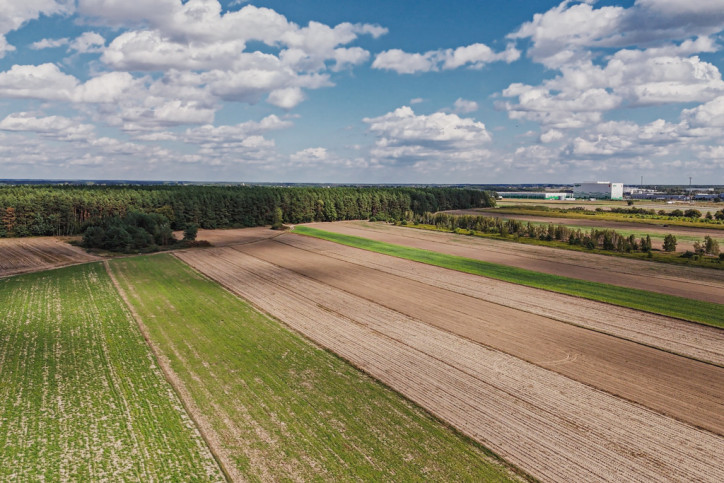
[[285, 409], [680, 307], [81, 397]]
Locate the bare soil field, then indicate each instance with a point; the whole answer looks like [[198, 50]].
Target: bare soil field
[[22, 255], [688, 390], [691, 282], [233, 236], [674, 335], [551, 426]]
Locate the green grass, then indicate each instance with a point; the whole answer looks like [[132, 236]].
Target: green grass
[[285, 409], [81, 397], [680, 307]]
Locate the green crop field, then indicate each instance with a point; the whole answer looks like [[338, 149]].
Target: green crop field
[[680, 307], [81, 396], [280, 407]]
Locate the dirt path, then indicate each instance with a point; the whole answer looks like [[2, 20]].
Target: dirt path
[[22, 255], [690, 282], [551, 426], [689, 339]]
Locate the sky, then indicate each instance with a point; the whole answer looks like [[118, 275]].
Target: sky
[[329, 91]]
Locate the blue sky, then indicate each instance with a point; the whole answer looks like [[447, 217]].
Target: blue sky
[[369, 92]]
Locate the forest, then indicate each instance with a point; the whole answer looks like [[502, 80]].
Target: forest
[[65, 210]]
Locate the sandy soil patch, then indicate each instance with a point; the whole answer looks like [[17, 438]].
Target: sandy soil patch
[[551, 426], [21, 255], [691, 282]]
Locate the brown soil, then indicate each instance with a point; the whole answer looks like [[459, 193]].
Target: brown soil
[[674, 335], [688, 390], [233, 236], [690, 282], [22, 255], [404, 333]]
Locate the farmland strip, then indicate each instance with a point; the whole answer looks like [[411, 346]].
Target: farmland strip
[[685, 338], [553, 427], [81, 397], [686, 389]]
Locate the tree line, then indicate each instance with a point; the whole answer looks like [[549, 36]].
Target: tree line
[[27, 210], [602, 239]]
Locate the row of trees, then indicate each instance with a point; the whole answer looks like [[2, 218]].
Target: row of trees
[[68, 210], [603, 239]]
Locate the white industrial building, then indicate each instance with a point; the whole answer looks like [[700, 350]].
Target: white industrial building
[[599, 190]]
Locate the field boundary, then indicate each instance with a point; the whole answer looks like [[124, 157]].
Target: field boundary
[[706, 313], [191, 410]]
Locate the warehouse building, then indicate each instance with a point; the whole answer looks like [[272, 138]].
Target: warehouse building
[[603, 190]]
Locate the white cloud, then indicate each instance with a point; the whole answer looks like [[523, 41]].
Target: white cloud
[[404, 137], [4, 46], [195, 37], [44, 81], [88, 42], [49, 43], [566, 33], [286, 98], [57, 127], [464, 106], [227, 134], [710, 114], [474, 56]]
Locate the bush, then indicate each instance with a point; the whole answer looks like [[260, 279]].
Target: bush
[[190, 232], [669, 243], [136, 231]]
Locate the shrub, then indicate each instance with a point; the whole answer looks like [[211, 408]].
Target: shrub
[[190, 232]]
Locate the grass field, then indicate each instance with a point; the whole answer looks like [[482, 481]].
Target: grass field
[[279, 407], [81, 397], [683, 308]]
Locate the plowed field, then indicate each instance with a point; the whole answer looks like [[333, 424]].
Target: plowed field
[[552, 426], [690, 282], [685, 338], [21, 255]]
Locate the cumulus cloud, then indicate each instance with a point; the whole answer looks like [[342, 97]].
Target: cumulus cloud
[[568, 32], [222, 134], [57, 127], [407, 138], [87, 43], [49, 43], [474, 56], [44, 81], [16, 14], [464, 106]]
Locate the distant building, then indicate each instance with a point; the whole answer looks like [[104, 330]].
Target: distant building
[[604, 190]]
